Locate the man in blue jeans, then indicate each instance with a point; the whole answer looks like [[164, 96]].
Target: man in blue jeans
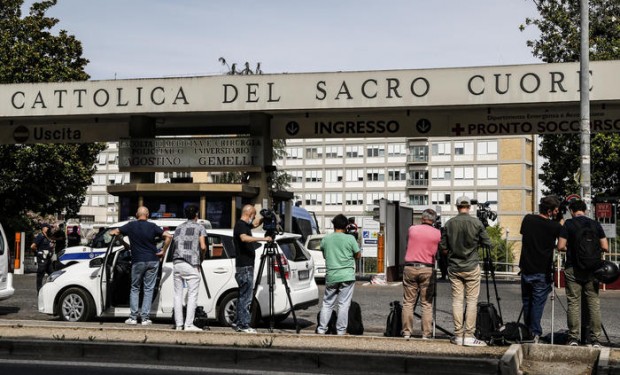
[[340, 251], [540, 232], [244, 262], [144, 262]]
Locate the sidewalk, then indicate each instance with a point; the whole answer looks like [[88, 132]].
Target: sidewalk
[[304, 352]]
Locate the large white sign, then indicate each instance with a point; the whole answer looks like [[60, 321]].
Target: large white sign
[[379, 90], [195, 154], [370, 237]]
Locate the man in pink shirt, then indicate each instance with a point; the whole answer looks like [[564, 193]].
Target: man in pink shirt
[[422, 244]]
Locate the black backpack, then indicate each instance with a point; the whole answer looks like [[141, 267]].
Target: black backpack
[[488, 321], [512, 333], [394, 323], [354, 327], [587, 249]]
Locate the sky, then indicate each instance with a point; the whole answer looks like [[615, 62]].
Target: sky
[[176, 38]]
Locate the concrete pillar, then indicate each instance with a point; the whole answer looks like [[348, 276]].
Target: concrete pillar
[[141, 127], [260, 127]]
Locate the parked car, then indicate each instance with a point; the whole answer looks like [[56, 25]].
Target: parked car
[[313, 245], [100, 287], [99, 244], [6, 277]]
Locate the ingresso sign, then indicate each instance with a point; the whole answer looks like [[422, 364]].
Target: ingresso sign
[[195, 154]]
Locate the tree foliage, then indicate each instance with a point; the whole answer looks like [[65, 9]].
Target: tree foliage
[[559, 41], [44, 178]]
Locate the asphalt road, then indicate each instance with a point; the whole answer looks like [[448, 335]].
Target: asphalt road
[[374, 301]]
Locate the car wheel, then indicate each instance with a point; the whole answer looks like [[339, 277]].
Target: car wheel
[[76, 305], [227, 312]]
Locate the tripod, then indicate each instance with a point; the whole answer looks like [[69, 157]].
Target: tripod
[[489, 268], [269, 256]]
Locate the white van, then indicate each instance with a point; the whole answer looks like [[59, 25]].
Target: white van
[[6, 277], [100, 287]]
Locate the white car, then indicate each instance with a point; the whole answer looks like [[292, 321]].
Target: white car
[[6, 277], [100, 287], [98, 245], [313, 245]]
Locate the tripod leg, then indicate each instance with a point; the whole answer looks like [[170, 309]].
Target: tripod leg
[[288, 290], [259, 276]]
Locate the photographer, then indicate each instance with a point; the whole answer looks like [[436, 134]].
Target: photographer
[[244, 275], [539, 232]]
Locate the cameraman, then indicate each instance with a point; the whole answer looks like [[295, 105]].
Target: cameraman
[[539, 232], [245, 253]]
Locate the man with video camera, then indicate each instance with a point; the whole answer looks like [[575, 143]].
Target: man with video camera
[[539, 232], [462, 236]]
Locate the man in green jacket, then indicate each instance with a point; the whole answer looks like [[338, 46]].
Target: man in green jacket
[[462, 236]]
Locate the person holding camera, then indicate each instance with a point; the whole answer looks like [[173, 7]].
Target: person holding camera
[[462, 236], [340, 250], [189, 241], [579, 280], [539, 234], [245, 254], [43, 246], [418, 274]]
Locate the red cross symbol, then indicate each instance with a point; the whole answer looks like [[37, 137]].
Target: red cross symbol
[[458, 129]]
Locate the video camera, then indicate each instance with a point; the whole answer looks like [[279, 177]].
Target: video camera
[[484, 213], [270, 223]]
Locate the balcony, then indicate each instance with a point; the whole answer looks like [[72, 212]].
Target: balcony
[[418, 183], [417, 158]]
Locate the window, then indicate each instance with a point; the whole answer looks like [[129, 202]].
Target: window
[[441, 173], [463, 148], [375, 174], [399, 197], [314, 152], [487, 147], [397, 174], [487, 172], [333, 199], [486, 196], [373, 151], [296, 176], [314, 175], [313, 199], [463, 173], [333, 152], [354, 175], [418, 154], [103, 159], [441, 148], [440, 197], [354, 199], [418, 199], [418, 178], [354, 151], [294, 153], [396, 149], [333, 175], [373, 198]]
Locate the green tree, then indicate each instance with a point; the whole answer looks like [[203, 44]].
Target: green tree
[[560, 42], [501, 249], [43, 178]]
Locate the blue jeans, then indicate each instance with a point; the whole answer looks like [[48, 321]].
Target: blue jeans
[[341, 293], [142, 273], [534, 291], [245, 280]]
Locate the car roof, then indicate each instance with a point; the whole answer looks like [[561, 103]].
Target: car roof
[[229, 233], [164, 222]]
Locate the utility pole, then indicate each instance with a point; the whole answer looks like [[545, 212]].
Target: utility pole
[[584, 100]]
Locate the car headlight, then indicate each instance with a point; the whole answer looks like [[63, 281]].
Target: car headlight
[[55, 275]]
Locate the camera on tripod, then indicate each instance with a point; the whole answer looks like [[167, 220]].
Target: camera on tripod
[[484, 213], [270, 223]]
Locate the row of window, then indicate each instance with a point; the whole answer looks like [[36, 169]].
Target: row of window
[[349, 199], [484, 172], [351, 175], [335, 152], [447, 197]]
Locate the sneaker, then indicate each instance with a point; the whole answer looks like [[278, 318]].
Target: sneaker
[[179, 328], [426, 337], [456, 340], [573, 342], [193, 328], [131, 321], [536, 339], [248, 330], [595, 344], [406, 337], [146, 322], [472, 341]]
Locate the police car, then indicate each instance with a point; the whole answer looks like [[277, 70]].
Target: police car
[[99, 244], [100, 287]]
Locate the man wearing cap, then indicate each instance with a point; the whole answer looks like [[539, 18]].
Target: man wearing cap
[[462, 236], [43, 245]]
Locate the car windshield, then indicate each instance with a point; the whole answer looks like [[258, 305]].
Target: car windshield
[[314, 244]]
